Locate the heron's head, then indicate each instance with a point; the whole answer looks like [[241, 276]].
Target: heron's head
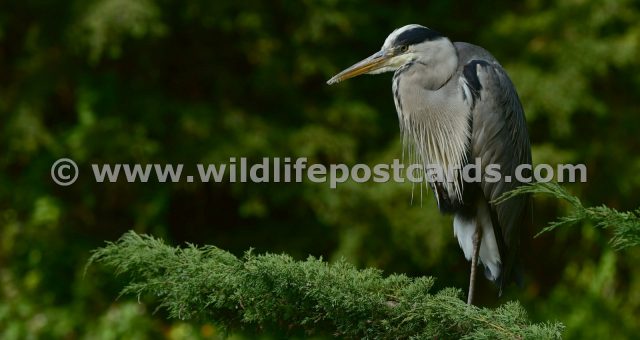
[[408, 44]]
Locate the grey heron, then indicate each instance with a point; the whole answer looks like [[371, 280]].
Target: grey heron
[[456, 104]]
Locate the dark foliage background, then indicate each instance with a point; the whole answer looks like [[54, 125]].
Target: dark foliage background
[[153, 81]]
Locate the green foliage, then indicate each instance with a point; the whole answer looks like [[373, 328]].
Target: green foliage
[[625, 225], [594, 281], [275, 293]]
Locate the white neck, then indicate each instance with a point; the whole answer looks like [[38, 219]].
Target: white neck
[[434, 123]]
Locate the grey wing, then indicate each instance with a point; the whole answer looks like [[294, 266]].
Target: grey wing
[[499, 136]]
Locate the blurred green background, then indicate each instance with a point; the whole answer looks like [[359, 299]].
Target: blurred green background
[[153, 81]]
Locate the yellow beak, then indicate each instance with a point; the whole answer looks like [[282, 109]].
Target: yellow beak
[[372, 63]]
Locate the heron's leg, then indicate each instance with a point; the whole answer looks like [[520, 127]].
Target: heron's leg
[[477, 237]]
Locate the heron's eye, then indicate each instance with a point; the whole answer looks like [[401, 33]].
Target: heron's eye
[[404, 48]]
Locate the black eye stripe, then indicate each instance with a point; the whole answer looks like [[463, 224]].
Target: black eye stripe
[[416, 35]]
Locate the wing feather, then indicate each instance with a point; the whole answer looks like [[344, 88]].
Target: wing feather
[[499, 136]]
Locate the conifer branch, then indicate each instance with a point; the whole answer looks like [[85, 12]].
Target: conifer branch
[[274, 293], [624, 225]]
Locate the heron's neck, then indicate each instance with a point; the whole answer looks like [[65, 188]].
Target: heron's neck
[[434, 120]]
